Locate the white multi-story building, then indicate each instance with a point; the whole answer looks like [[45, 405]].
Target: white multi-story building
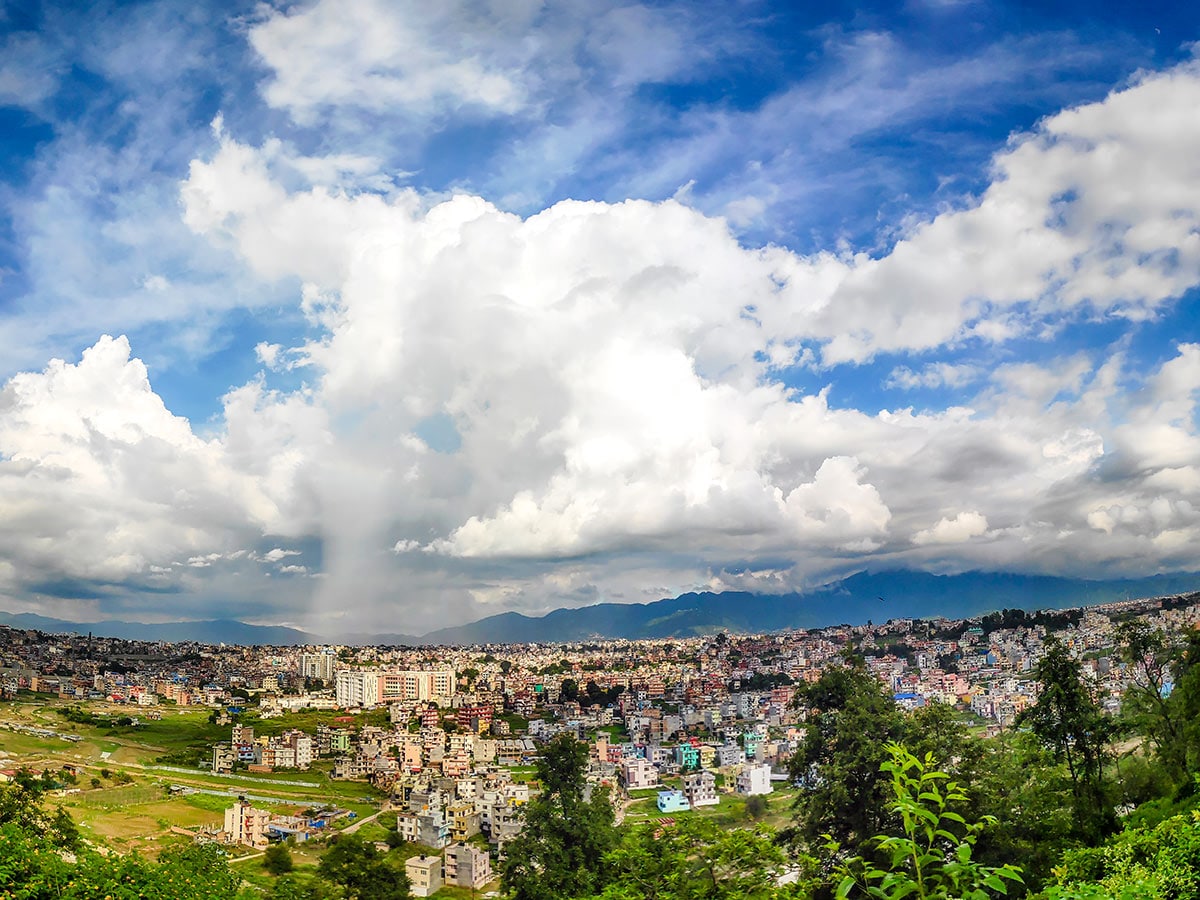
[[754, 779], [357, 687], [318, 665], [370, 687]]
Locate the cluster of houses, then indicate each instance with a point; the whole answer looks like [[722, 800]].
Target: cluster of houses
[[250, 826]]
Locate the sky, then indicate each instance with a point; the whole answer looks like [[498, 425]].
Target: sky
[[375, 314]]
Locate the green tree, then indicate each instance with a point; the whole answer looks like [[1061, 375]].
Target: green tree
[[362, 871], [1162, 699], [1142, 863], [560, 852], [756, 806], [1067, 719], [850, 719], [278, 859], [696, 859], [933, 855], [20, 806], [1027, 793], [570, 690]]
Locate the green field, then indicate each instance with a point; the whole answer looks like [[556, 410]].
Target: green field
[[138, 751]]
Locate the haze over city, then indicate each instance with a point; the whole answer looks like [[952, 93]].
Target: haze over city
[[397, 315]]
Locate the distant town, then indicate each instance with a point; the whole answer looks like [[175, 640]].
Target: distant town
[[435, 748]]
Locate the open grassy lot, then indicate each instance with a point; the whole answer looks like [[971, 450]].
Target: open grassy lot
[[731, 810]]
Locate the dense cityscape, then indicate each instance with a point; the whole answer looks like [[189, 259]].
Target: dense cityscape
[[443, 744]]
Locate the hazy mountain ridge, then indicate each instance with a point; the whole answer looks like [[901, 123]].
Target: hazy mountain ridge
[[855, 600], [212, 631]]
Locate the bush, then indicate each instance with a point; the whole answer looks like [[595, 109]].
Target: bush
[[278, 859], [933, 856]]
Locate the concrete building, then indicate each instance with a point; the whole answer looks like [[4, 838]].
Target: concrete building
[[246, 825], [467, 866], [424, 875], [638, 773], [370, 687], [754, 779], [701, 789], [672, 801], [318, 665]]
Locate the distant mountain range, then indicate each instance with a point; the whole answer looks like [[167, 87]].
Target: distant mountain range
[[214, 631], [855, 600]]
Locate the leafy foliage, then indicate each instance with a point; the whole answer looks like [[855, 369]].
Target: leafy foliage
[[1067, 718], [695, 859], [562, 850], [1150, 863], [362, 871], [850, 720], [278, 859], [932, 857]]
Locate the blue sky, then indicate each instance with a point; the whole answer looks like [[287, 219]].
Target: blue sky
[[376, 313]]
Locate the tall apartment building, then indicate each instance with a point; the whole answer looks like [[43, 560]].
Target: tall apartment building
[[357, 687], [371, 687], [318, 665]]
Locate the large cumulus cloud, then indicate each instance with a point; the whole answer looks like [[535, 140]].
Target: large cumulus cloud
[[609, 381], [598, 401]]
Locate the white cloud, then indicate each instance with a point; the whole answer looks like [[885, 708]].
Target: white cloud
[[962, 527], [30, 69], [933, 375], [99, 481], [377, 56], [267, 353], [607, 371]]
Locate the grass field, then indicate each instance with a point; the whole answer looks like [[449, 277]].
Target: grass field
[[730, 811], [143, 811]]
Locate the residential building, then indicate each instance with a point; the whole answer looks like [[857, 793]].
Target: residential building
[[672, 801], [754, 779], [424, 875], [638, 773], [701, 789], [246, 825], [467, 866]]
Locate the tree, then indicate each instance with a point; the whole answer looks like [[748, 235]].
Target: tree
[[1028, 795], [20, 806], [362, 871], [560, 853], [278, 859], [932, 856], [1068, 720], [850, 720], [570, 690], [1162, 700], [694, 859]]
